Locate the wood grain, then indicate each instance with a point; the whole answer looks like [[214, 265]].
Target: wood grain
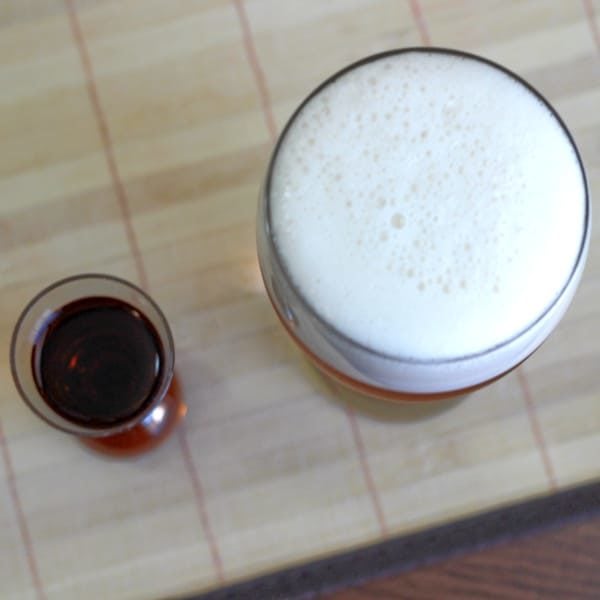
[[133, 140], [557, 564]]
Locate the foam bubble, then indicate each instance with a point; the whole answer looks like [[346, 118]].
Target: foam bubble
[[398, 221], [432, 232]]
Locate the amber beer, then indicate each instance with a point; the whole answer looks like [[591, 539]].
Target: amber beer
[[424, 222]]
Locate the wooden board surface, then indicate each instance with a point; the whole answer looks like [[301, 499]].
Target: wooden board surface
[[133, 139]]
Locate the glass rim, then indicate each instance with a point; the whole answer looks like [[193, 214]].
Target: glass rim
[[82, 429], [425, 50]]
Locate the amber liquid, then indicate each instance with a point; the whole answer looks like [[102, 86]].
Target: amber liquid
[[376, 392], [97, 362]]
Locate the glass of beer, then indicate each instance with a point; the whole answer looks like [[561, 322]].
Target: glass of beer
[[423, 224], [93, 355]]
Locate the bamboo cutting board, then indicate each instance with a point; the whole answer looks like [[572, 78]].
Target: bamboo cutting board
[[133, 138]]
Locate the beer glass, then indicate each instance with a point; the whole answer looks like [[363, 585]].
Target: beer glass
[[423, 223]]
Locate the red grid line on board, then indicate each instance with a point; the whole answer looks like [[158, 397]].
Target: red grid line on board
[[203, 513], [532, 415], [259, 75], [21, 520], [121, 195], [363, 459], [421, 23], [267, 108], [536, 429], [106, 142], [368, 475], [588, 8]]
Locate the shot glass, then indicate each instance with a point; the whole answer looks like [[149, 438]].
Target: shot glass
[[93, 356]]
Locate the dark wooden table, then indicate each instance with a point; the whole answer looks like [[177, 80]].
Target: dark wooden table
[[561, 563]]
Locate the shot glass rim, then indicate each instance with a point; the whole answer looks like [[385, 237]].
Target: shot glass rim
[[307, 305], [81, 429]]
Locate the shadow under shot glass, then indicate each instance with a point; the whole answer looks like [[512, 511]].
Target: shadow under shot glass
[[423, 224], [93, 355]]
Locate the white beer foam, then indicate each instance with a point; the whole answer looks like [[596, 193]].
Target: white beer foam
[[428, 206]]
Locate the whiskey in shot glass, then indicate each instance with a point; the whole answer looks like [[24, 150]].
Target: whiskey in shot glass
[[93, 355]]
